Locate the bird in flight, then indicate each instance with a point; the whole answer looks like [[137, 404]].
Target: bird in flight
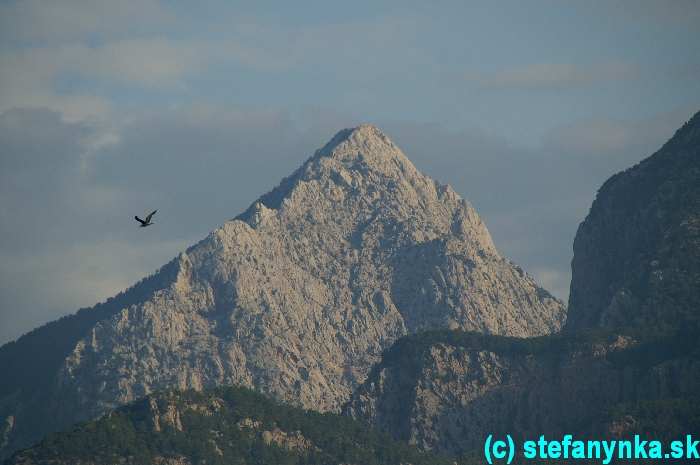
[[147, 221]]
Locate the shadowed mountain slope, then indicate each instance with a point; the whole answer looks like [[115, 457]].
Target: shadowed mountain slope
[[637, 254]]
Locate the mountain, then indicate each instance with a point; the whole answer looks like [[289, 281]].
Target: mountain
[[628, 361], [219, 426], [637, 254], [297, 297]]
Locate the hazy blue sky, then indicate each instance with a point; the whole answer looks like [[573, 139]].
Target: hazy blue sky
[[112, 108]]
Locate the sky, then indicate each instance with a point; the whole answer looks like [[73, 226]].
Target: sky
[[110, 109]]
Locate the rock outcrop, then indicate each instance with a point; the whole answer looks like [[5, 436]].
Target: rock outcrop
[[297, 297], [446, 392]]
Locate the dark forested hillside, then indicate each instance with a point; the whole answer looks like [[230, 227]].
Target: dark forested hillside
[[221, 426]]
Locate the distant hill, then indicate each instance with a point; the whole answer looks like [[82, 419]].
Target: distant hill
[[220, 426]]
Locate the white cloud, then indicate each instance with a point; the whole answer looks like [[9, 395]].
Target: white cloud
[[40, 287], [555, 281], [349, 46], [675, 13], [145, 62], [555, 75], [46, 20], [28, 76], [74, 57], [626, 139], [27, 81]]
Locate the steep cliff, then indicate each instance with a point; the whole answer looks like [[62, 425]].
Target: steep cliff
[[637, 254], [296, 297]]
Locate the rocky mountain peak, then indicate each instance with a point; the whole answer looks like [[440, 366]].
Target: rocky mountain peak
[[364, 143], [356, 160], [298, 296], [361, 169], [363, 155]]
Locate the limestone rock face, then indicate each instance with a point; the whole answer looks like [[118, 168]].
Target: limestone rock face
[[637, 254], [447, 395], [299, 295]]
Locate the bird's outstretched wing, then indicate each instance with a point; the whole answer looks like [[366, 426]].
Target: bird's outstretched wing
[[148, 218], [139, 220]]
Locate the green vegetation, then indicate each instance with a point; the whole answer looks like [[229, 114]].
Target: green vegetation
[[671, 418], [651, 347], [222, 426]]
